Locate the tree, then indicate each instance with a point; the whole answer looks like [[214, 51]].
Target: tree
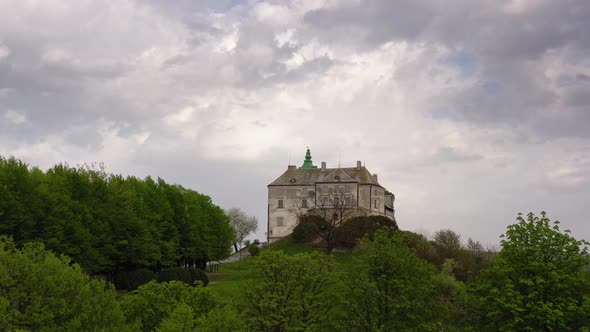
[[330, 213], [167, 303], [41, 291], [288, 293], [222, 319], [109, 223], [243, 225], [389, 288], [538, 282], [448, 242]]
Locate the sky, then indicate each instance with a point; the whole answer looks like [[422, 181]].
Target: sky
[[469, 111]]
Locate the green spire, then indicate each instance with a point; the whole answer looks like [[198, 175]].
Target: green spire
[[308, 164]]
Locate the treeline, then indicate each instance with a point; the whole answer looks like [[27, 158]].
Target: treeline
[[107, 222]]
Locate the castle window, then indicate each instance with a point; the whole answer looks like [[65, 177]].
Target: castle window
[[280, 204], [304, 203], [335, 216], [375, 204], [336, 201], [279, 221]]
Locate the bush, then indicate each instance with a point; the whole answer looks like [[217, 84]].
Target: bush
[[356, 228], [42, 291], [253, 249], [173, 304], [288, 292], [130, 280], [198, 275], [188, 275], [307, 228]]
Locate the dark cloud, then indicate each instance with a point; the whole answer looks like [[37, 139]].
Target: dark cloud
[[499, 42]]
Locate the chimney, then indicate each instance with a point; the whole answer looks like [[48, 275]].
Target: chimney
[[376, 179], [291, 167], [358, 165], [323, 165]]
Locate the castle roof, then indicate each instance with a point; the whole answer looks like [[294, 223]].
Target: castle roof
[[311, 176]]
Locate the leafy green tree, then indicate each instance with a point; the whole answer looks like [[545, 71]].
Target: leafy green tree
[[109, 223], [41, 291], [288, 293], [253, 249], [222, 319], [181, 319], [539, 281], [448, 243], [152, 304], [389, 288]]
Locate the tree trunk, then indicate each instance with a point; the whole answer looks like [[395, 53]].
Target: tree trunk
[[236, 246]]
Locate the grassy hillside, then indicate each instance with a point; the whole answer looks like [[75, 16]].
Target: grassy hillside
[[228, 281]]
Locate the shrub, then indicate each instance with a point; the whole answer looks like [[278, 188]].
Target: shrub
[[42, 291], [198, 275], [172, 304], [130, 280], [307, 228], [253, 249], [288, 292], [175, 274], [188, 275], [356, 228]]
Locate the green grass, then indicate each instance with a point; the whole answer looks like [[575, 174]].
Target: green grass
[[227, 283]]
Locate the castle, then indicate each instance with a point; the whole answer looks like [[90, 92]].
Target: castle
[[309, 189]]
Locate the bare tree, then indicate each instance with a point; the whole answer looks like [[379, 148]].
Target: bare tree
[[333, 211], [243, 224]]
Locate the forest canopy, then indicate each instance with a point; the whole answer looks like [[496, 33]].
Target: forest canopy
[[107, 222]]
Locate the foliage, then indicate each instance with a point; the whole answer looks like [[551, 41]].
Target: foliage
[[182, 318], [288, 293], [222, 319], [448, 243], [130, 280], [107, 222], [356, 228], [41, 291], [153, 304], [539, 281], [389, 288], [254, 250], [186, 275], [307, 228], [242, 224], [330, 214], [451, 300]]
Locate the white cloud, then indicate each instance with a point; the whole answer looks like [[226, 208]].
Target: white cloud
[[4, 52], [15, 117]]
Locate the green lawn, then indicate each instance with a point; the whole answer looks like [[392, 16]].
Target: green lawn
[[228, 281]]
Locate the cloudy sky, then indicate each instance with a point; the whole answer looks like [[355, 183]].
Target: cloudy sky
[[469, 111]]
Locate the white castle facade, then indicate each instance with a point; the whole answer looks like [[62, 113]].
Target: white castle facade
[[309, 189]]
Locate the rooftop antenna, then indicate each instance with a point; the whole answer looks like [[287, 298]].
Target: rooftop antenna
[[289, 157], [339, 157]]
